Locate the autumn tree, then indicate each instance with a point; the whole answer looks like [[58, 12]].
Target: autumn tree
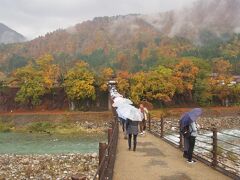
[[123, 82], [106, 75], [221, 67], [220, 81], [138, 87], [49, 71], [160, 85], [79, 84], [122, 61], [185, 73], [36, 79], [31, 84], [155, 85]]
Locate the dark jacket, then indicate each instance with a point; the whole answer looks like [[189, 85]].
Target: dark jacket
[[132, 127]]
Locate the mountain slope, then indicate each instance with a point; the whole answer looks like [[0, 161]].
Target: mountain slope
[[136, 37], [217, 17], [8, 35]]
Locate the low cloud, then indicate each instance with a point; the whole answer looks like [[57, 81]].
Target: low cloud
[[37, 17]]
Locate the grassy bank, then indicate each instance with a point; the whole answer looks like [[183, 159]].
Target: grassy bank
[[63, 128], [65, 123], [53, 128], [6, 126]]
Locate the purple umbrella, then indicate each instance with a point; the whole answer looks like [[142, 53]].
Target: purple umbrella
[[190, 117], [195, 113]]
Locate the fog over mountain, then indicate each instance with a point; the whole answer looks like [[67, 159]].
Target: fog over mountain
[[197, 22], [217, 17], [7, 35]]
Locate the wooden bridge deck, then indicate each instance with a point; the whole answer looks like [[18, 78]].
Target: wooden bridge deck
[[155, 159]]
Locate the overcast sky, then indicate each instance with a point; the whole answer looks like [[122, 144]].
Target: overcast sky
[[32, 18]]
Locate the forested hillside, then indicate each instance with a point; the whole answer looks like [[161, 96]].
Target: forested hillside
[[167, 58]]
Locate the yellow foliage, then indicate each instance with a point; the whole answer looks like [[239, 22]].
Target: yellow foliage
[[153, 85], [79, 83], [82, 64], [186, 73], [106, 75], [221, 67], [123, 84], [49, 71]]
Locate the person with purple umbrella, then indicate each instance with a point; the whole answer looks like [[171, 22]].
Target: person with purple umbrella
[[185, 132], [188, 128]]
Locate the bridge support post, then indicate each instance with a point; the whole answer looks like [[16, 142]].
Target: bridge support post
[[110, 130], [214, 150], [149, 122], [162, 127], [102, 150]]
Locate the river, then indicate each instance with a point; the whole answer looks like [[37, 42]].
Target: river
[[31, 143], [233, 137]]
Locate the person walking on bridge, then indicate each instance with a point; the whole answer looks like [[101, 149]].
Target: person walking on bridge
[[133, 117], [188, 128], [132, 131], [144, 112]]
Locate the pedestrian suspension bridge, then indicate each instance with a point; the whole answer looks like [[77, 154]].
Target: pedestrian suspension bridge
[[159, 158]]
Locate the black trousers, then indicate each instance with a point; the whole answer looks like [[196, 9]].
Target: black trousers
[[143, 125], [123, 125], [191, 147], [130, 141]]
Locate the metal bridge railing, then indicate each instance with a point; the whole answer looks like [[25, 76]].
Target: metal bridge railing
[[210, 148], [107, 153]]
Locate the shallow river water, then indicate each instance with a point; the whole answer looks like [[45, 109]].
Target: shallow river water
[[30, 143], [227, 136]]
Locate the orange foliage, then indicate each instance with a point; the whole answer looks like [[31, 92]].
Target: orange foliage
[[186, 72]]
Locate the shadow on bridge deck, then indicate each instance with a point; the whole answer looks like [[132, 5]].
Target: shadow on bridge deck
[[157, 160]]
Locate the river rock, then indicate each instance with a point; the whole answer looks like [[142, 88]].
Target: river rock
[[94, 155], [25, 161], [57, 166], [36, 162]]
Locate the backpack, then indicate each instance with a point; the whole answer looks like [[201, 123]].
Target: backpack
[[185, 131]]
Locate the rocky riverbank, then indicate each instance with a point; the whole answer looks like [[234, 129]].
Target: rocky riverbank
[[225, 161], [225, 122], [47, 167]]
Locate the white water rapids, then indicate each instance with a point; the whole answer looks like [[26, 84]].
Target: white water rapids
[[231, 136]]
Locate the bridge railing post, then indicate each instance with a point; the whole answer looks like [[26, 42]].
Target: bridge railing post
[[214, 148], [149, 121], [110, 130], [162, 127], [102, 151]]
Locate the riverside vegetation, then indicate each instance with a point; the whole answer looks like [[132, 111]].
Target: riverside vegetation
[[76, 128], [186, 80]]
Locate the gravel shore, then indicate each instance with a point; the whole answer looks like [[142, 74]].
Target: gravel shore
[[47, 167]]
